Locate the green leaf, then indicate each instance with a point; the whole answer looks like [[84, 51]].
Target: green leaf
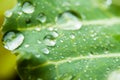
[[64, 39]]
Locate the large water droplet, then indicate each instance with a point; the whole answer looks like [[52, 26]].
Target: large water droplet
[[45, 51], [42, 18], [68, 21], [28, 8], [13, 40], [8, 13]]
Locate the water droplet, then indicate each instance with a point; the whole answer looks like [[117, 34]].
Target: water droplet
[[37, 29], [68, 21], [20, 13], [8, 13], [49, 42], [13, 40], [54, 34], [27, 45], [72, 36], [37, 55], [39, 79], [28, 8], [45, 51], [42, 18], [115, 75], [39, 42]]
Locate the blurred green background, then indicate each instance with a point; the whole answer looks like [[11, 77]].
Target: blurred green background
[[7, 60]]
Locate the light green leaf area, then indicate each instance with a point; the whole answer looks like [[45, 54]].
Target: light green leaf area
[[66, 39]]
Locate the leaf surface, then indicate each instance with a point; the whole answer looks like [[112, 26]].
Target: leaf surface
[[66, 39]]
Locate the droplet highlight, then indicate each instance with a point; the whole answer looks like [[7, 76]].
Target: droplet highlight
[[28, 8], [13, 40]]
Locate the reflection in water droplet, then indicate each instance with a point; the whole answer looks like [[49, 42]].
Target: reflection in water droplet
[[8, 13], [68, 21], [28, 8], [42, 18], [45, 51], [12, 40]]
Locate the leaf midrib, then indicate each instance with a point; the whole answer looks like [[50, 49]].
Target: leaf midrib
[[110, 55]]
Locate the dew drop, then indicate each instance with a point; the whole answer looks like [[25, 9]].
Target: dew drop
[[42, 18], [37, 55], [72, 36], [45, 51], [54, 34], [28, 8], [20, 13], [115, 75], [39, 79], [68, 21], [8, 13], [37, 29], [27, 45], [13, 40], [49, 42]]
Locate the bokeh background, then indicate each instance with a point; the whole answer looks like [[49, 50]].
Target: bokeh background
[[7, 60]]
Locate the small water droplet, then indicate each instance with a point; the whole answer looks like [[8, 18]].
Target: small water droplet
[[42, 18], [37, 29], [45, 51], [61, 41], [39, 42], [20, 13], [37, 55], [39, 79], [28, 8], [8, 13], [68, 21], [54, 34], [72, 36], [13, 40], [27, 45], [49, 42]]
